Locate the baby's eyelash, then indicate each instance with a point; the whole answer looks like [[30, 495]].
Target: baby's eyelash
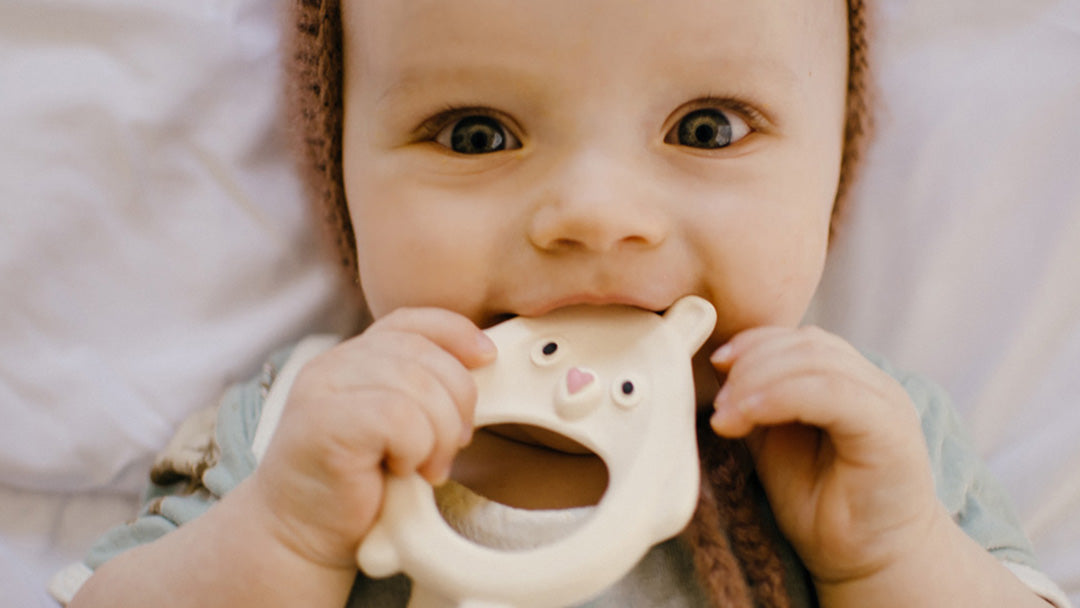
[[755, 118], [431, 127]]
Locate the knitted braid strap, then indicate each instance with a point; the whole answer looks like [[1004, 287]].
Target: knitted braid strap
[[717, 568], [858, 116], [750, 541], [735, 556]]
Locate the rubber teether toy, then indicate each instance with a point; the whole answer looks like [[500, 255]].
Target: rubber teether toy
[[617, 380]]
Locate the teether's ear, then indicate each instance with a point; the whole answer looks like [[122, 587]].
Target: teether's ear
[[692, 319], [377, 555]]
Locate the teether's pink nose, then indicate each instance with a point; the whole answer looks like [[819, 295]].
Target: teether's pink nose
[[577, 379]]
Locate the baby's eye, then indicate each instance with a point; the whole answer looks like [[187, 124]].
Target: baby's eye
[[477, 134], [708, 128]]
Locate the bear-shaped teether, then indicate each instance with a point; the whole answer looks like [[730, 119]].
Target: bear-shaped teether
[[616, 379]]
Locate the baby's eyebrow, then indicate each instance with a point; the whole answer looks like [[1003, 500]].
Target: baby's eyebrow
[[414, 81]]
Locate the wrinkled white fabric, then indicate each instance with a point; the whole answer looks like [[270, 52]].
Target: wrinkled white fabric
[[17, 583], [960, 255]]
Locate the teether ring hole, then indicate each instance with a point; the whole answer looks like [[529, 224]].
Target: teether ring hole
[[522, 481]]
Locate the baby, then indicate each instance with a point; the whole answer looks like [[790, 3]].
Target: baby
[[485, 159]]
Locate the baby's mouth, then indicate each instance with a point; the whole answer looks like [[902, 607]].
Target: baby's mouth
[[495, 319]]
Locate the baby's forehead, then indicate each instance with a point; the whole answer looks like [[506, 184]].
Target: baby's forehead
[[412, 40]]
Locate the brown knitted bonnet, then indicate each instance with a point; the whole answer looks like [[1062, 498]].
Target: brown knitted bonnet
[[736, 558]]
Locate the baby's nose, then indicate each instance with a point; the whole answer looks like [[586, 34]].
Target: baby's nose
[[578, 393], [597, 203], [594, 229]]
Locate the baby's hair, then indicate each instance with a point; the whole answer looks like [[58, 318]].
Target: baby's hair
[[734, 553]]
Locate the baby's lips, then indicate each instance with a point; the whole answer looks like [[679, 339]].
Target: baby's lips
[[541, 308]]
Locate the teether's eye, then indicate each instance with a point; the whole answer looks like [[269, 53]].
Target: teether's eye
[[547, 351], [627, 391]]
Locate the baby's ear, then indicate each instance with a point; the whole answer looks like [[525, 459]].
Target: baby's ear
[[691, 319]]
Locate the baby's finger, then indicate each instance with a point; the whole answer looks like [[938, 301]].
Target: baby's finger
[[775, 355], [405, 429], [440, 384], [745, 341], [404, 363], [858, 414], [762, 357], [395, 425], [450, 331]]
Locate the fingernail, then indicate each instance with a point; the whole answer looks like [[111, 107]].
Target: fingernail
[[722, 354], [486, 345]]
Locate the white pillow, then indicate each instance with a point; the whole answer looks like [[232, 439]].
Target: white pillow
[[961, 256]]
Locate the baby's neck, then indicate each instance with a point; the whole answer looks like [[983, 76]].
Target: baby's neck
[[527, 475]]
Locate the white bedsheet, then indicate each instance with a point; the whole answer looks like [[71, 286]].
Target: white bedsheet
[[153, 247], [17, 583]]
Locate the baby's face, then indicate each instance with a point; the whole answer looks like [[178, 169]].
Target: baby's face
[[509, 158]]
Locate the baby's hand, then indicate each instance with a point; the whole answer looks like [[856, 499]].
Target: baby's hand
[[837, 445], [397, 399]]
